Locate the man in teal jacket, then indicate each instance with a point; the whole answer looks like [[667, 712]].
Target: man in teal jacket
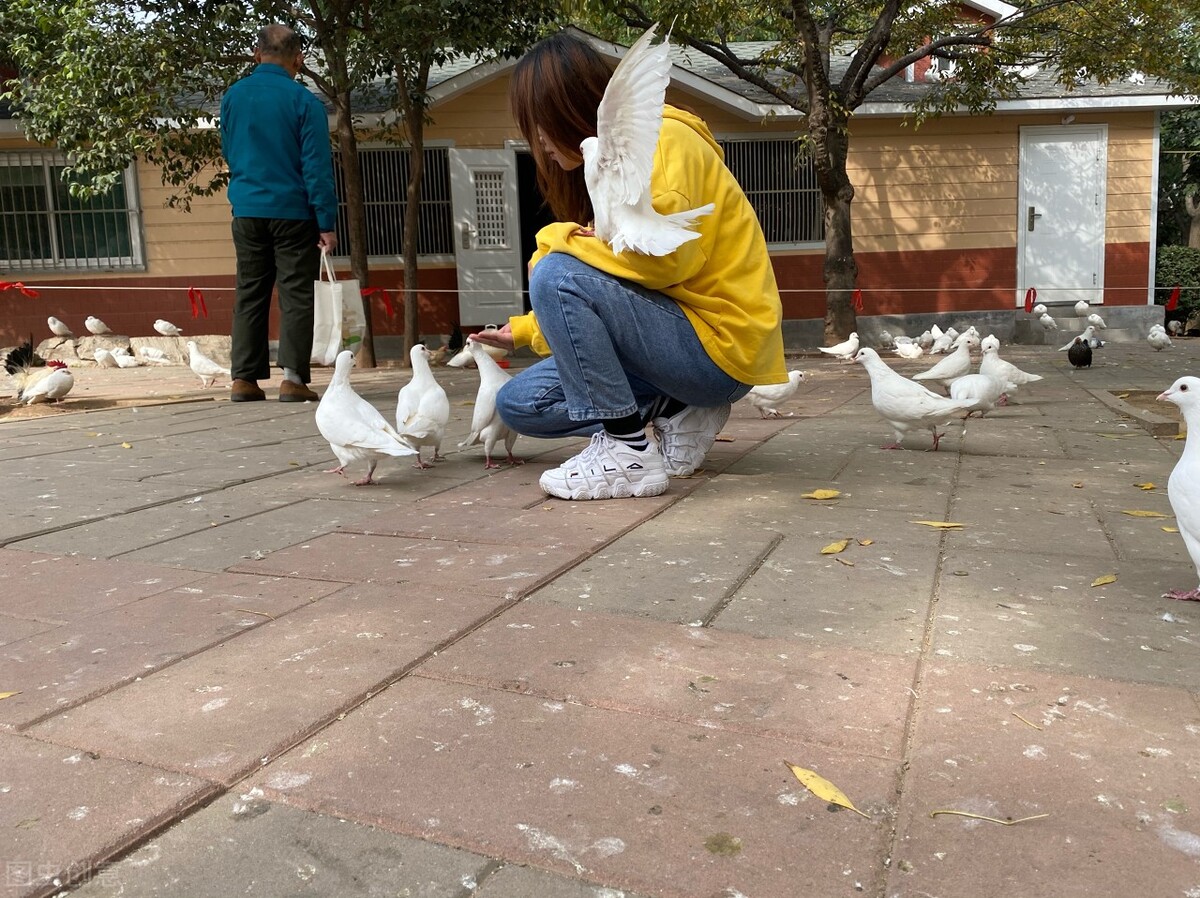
[[275, 138]]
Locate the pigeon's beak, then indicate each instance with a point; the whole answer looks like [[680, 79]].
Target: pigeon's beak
[[1164, 396]]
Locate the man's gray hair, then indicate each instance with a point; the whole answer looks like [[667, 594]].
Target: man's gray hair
[[278, 41]]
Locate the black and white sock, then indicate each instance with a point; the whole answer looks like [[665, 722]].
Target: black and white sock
[[628, 430], [666, 407]]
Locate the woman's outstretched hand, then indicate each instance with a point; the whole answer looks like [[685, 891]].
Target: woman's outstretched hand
[[500, 337]]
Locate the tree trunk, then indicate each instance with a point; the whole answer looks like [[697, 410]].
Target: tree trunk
[[1192, 205], [831, 143], [412, 223], [356, 221]]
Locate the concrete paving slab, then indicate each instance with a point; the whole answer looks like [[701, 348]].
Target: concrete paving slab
[[672, 568], [43, 502], [1005, 611], [264, 848], [135, 530], [633, 802], [1111, 763], [14, 629], [61, 668], [845, 698], [351, 558], [58, 589], [233, 542], [879, 604], [65, 813], [515, 881], [218, 714], [458, 516], [1033, 519]]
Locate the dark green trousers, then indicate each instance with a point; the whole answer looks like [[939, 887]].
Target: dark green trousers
[[274, 252]]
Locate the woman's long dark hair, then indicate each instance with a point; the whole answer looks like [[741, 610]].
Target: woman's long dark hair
[[557, 86]]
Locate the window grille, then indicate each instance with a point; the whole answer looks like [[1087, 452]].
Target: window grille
[[44, 228], [781, 186], [385, 196], [489, 209]]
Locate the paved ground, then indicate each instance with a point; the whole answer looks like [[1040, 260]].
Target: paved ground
[[235, 674]]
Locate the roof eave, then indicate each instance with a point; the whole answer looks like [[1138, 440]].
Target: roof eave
[[1139, 103]]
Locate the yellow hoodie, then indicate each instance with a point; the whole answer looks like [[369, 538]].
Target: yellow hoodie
[[723, 280]]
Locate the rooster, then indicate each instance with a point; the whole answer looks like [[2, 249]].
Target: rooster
[[37, 380]]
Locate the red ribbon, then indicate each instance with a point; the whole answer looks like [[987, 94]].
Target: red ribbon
[[1030, 296], [368, 292], [19, 287], [196, 298], [1173, 302], [856, 299]]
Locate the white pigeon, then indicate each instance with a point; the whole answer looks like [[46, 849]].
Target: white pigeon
[[844, 350], [1175, 327], [464, 358], [908, 350], [941, 343], [1087, 336], [905, 404], [886, 340], [487, 429], [203, 367], [1048, 322], [1082, 308], [1039, 309], [49, 388], [105, 359], [123, 359], [1183, 487], [96, 326], [152, 355], [354, 428], [618, 161], [1000, 369], [952, 367], [925, 340], [986, 391], [990, 340], [1095, 320], [58, 328], [1158, 339], [167, 329], [970, 336], [767, 398], [422, 408]]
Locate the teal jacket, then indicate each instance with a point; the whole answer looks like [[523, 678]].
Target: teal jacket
[[275, 137]]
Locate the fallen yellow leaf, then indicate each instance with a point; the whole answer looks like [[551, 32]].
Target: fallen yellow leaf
[[941, 525], [4, 695], [1145, 486], [834, 548], [1104, 580], [1078, 484], [844, 561], [127, 445], [1137, 513], [1122, 395], [823, 789], [989, 819], [821, 494], [294, 464], [1169, 529], [866, 542]]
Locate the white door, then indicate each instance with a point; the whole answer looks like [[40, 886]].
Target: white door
[[1060, 227], [483, 191]]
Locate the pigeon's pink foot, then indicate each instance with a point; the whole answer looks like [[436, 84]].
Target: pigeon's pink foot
[[488, 464], [437, 456], [1183, 595], [513, 460], [339, 470], [937, 438], [1003, 400], [770, 413], [421, 465], [366, 481], [892, 446]]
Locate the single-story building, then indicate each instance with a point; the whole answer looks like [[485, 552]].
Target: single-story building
[[952, 220]]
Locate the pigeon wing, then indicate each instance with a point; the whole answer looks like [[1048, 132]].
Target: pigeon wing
[[629, 118]]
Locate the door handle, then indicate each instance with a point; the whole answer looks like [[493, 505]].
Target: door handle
[[1033, 216], [468, 234]]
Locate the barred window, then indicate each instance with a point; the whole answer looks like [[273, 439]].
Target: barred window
[[781, 186], [385, 188], [44, 228]]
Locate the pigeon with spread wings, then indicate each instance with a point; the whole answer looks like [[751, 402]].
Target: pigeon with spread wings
[[618, 161]]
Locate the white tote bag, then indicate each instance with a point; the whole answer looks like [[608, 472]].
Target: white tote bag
[[338, 318]]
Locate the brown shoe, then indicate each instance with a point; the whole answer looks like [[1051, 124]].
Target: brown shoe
[[294, 392], [245, 391]]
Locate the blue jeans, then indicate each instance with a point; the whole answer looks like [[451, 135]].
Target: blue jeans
[[617, 348]]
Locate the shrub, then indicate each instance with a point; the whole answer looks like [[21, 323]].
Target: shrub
[[1178, 265]]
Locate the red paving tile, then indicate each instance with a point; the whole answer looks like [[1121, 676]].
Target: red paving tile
[[217, 714], [630, 800], [66, 812], [1112, 763], [769, 687], [76, 661], [417, 563]]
